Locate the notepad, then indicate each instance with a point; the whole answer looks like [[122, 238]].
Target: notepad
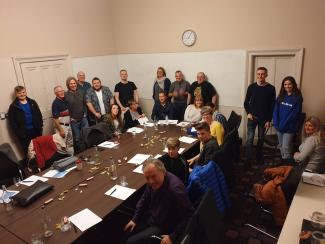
[[84, 219], [187, 139], [136, 130], [108, 144], [120, 192], [179, 151], [139, 159], [32, 179]]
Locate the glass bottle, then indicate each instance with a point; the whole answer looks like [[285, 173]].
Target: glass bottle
[[46, 221]]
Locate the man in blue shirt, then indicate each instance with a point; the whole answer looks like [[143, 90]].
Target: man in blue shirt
[[25, 118], [166, 201]]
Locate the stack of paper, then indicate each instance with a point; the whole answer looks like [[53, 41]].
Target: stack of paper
[[57, 174], [183, 124], [85, 219], [32, 179], [136, 130], [108, 144], [187, 139], [139, 159], [120, 192], [179, 151]]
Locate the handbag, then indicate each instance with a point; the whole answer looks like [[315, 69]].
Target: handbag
[[32, 193]]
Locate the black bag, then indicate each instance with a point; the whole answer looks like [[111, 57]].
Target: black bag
[[32, 193], [65, 163]]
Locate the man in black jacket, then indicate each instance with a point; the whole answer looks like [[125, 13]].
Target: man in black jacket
[[25, 118]]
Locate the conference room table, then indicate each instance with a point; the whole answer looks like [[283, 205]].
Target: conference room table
[[8, 238], [308, 198], [23, 222]]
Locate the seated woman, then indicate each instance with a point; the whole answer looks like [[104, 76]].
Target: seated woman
[[132, 115], [174, 162], [216, 128], [193, 111], [312, 148], [114, 119]]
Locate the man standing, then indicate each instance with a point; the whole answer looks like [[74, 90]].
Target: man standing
[[162, 108], [166, 204], [82, 83], [25, 118], [202, 88], [98, 100], [178, 91], [60, 112], [259, 103], [125, 91], [77, 109]]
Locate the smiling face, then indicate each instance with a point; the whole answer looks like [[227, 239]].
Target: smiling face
[[81, 76], [309, 128], [288, 86], [207, 117], [198, 102], [59, 92], [178, 76], [154, 176], [21, 95], [97, 85], [203, 135], [162, 98], [200, 77], [261, 76], [72, 85], [114, 110], [160, 73]]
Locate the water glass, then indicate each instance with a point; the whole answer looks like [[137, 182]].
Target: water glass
[[123, 181], [36, 238], [113, 172]]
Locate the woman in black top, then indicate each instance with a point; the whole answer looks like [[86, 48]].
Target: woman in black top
[[132, 115]]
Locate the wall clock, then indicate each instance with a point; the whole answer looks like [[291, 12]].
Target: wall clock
[[189, 37]]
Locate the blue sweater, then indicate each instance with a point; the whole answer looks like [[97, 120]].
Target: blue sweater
[[286, 114]]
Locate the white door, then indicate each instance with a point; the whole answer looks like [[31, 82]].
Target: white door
[[39, 78]]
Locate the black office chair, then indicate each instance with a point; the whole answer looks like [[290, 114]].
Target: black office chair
[[234, 122], [206, 225], [9, 165], [95, 135]]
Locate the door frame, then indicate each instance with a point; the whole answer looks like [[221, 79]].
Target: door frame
[[18, 61]]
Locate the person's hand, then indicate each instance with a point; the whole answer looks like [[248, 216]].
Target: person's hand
[[130, 226], [62, 133], [250, 116], [123, 109], [267, 125], [175, 93], [98, 115], [166, 240], [190, 161]]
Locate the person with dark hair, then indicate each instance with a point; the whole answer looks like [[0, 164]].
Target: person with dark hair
[[178, 92], [132, 115], [164, 208], [162, 108], [209, 145], [219, 117], [25, 118], [77, 109], [259, 104], [286, 115], [98, 99], [174, 162], [202, 88], [125, 91], [161, 84], [114, 119], [81, 82]]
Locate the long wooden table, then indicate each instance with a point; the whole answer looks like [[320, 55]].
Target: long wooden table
[[8, 238], [23, 222], [308, 198]]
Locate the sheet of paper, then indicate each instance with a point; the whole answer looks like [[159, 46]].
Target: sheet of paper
[[168, 121], [32, 179], [143, 120], [148, 124], [6, 196], [120, 192], [183, 124], [138, 169], [187, 139], [57, 174], [138, 159], [108, 144], [179, 151], [136, 130], [172, 121], [84, 219], [157, 156]]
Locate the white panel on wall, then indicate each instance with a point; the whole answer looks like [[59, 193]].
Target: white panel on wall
[[103, 67]]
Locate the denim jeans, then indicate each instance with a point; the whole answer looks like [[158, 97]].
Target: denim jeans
[[251, 126], [285, 144], [76, 127]]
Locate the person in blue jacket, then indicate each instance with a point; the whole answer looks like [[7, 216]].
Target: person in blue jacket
[[286, 115]]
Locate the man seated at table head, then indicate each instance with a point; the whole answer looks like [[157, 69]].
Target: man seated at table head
[[173, 161], [209, 145], [162, 108], [164, 208]]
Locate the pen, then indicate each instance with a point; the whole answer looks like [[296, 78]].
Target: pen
[[112, 192], [27, 181]]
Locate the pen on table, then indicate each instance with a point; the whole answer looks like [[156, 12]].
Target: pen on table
[[27, 181], [112, 192]]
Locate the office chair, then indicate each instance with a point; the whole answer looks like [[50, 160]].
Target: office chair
[[95, 135], [234, 122]]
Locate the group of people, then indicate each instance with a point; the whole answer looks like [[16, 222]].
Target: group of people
[[85, 104]]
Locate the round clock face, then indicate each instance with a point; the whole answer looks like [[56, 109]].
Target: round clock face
[[189, 38]]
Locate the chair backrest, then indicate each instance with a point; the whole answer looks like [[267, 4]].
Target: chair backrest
[[206, 225], [234, 120], [9, 166], [95, 134]]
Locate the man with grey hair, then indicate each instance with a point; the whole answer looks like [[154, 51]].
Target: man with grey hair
[[167, 203], [203, 89], [60, 112], [82, 83]]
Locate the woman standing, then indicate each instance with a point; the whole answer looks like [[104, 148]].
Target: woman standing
[[286, 115], [312, 148], [162, 83]]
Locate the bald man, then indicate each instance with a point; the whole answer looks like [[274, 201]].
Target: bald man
[[202, 88], [166, 201]]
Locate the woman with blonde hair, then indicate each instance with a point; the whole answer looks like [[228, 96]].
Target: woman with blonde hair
[[193, 111], [312, 148]]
